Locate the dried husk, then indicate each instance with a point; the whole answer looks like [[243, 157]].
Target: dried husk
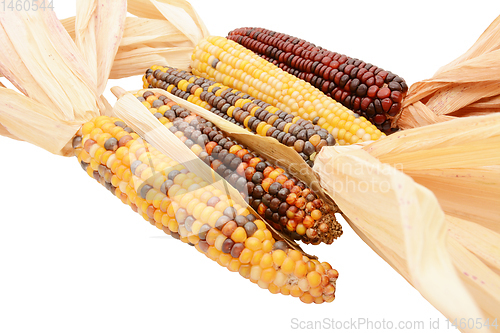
[[163, 33], [444, 241], [62, 86], [46, 61], [5, 132], [43, 63], [25, 119], [458, 161], [468, 86], [99, 26]]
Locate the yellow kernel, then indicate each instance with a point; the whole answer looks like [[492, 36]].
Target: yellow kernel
[[245, 271], [191, 206], [280, 279], [268, 234], [253, 243], [255, 273], [239, 235], [234, 265], [246, 256], [165, 219], [273, 288], [257, 256], [279, 257], [300, 269], [285, 290], [87, 128], [198, 210], [267, 245], [304, 284], [213, 218], [295, 255], [314, 279], [212, 235], [195, 229], [301, 229], [260, 235], [173, 225], [266, 261], [261, 225], [207, 212], [219, 241], [213, 253], [295, 291], [288, 266], [307, 298], [268, 275], [224, 259]]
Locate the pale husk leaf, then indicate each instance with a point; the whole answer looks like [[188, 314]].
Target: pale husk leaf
[[469, 85], [27, 120], [5, 132], [134, 62], [180, 19], [458, 160], [42, 61], [164, 33], [99, 26], [402, 219], [479, 240], [152, 32], [69, 25], [482, 283], [488, 41], [85, 32], [150, 9], [146, 42]]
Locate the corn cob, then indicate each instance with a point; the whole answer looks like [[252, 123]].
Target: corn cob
[[231, 64], [240, 108], [368, 90], [187, 208], [285, 202]]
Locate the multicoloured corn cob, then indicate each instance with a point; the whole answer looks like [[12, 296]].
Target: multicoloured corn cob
[[242, 109], [368, 90], [233, 65], [187, 208], [285, 202]]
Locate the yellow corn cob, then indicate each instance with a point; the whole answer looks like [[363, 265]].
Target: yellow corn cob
[[184, 206], [229, 63]]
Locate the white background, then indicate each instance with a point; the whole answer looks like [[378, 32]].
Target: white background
[[73, 258]]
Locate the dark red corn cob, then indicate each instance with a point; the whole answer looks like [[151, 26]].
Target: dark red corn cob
[[362, 87], [284, 201]]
